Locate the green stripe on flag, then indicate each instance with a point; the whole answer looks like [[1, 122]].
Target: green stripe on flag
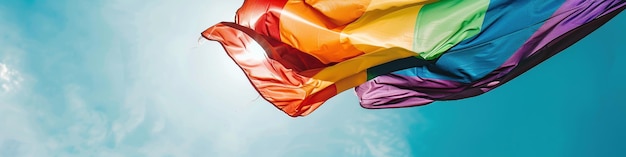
[[440, 26]]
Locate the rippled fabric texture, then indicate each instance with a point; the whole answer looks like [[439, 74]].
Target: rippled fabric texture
[[398, 53]]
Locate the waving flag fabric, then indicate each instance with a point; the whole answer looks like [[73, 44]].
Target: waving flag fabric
[[298, 54]]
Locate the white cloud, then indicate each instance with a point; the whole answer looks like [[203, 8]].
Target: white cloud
[[33, 123], [17, 134], [9, 78], [10, 51]]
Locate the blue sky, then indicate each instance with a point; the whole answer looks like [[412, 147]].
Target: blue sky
[[128, 78]]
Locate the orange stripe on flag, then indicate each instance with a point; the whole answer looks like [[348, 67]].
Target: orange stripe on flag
[[306, 26]]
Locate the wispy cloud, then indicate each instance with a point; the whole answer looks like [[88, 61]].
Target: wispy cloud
[[10, 52], [34, 123], [17, 137], [9, 78]]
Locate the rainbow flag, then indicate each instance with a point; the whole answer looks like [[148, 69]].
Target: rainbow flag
[[398, 53]]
